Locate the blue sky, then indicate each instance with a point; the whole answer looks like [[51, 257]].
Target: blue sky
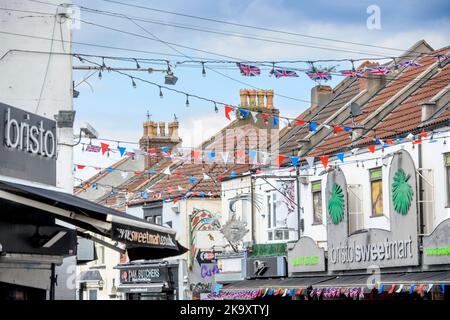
[[117, 110]]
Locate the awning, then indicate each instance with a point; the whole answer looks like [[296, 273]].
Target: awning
[[143, 240], [139, 288], [406, 278], [287, 283], [90, 276]]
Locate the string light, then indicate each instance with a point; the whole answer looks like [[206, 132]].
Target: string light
[[137, 64], [161, 93], [215, 108], [133, 83], [203, 70], [187, 101], [100, 74]]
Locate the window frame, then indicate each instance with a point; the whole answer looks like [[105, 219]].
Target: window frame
[[272, 228], [371, 181], [447, 173], [313, 192]]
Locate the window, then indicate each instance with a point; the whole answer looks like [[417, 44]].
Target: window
[[92, 294], [376, 189], [447, 170], [276, 232], [100, 255], [355, 212], [316, 188], [153, 213]]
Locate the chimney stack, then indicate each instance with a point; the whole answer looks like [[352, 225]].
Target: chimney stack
[[244, 97], [321, 95], [370, 82], [173, 130]]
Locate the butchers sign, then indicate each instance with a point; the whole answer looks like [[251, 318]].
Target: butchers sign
[[142, 275], [360, 250]]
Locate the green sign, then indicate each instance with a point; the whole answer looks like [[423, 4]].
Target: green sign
[[445, 251], [305, 261], [336, 204], [402, 193]]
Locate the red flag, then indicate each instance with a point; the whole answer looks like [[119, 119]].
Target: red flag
[[280, 159], [151, 150], [178, 174], [137, 172], [389, 141], [104, 147], [371, 148], [175, 200], [423, 134], [228, 109], [88, 184], [299, 122], [258, 171], [299, 291], [391, 290], [80, 166], [219, 178], [195, 153], [418, 141], [337, 129], [238, 153], [324, 160], [420, 289]]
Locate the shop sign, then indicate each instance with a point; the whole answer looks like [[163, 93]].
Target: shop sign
[[265, 267], [306, 256], [28, 145], [142, 237], [209, 270], [436, 246], [142, 274], [394, 248], [45, 240], [207, 256]]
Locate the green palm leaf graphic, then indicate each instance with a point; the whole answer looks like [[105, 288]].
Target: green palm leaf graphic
[[402, 192], [336, 204]]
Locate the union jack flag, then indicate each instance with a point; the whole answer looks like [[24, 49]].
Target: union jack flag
[[352, 73], [129, 154], [166, 154], [283, 73], [409, 63], [91, 148], [317, 75], [248, 70], [378, 70]]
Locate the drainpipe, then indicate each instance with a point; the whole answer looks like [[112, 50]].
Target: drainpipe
[[297, 179], [252, 207], [420, 195], [52, 282]]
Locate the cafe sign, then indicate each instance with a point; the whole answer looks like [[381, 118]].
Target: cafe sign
[[383, 248], [306, 256], [28, 147]]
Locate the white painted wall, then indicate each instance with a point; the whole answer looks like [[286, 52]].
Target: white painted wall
[[40, 83]]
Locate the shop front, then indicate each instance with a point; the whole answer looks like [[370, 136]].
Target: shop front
[[148, 281]]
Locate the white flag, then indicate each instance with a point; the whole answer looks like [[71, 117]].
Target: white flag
[[400, 289], [429, 287], [310, 161], [167, 171], [205, 176], [124, 174], [225, 155]]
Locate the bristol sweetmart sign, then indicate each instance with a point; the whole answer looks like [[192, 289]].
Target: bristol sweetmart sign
[[28, 145], [375, 247]]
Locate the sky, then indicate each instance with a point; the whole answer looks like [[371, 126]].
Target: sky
[[117, 110]]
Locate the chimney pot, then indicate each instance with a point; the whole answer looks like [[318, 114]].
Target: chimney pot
[[260, 98], [244, 97], [252, 95], [269, 98], [162, 128]]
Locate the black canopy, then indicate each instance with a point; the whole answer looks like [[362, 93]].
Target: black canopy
[[143, 240]]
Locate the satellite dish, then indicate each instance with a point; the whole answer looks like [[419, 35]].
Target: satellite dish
[[355, 109]]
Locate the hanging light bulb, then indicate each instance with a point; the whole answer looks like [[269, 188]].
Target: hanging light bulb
[[161, 93], [100, 74], [137, 64], [215, 108], [187, 101], [81, 59], [203, 70], [133, 83]]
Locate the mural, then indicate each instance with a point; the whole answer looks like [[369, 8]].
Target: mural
[[288, 189], [201, 220]]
